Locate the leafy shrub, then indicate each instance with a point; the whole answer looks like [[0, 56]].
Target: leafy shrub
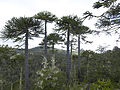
[[50, 77], [103, 84]]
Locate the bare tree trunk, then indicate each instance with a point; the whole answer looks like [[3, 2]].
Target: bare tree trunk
[[79, 56], [71, 64], [71, 76], [45, 53], [87, 67], [71, 55], [11, 86], [67, 63], [26, 62], [53, 51], [20, 86], [2, 86]]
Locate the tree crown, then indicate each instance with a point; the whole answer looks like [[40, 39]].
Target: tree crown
[[16, 28], [46, 16]]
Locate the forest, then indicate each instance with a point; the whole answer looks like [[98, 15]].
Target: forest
[[46, 67]]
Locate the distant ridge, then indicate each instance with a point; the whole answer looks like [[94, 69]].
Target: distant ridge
[[37, 49], [41, 49]]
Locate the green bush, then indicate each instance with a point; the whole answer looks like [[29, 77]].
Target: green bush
[[103, 84]]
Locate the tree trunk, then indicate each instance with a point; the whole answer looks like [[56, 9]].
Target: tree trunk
[[53, 49], [67, 63], [11, 86], [71, 76], [71, 56], [2, 85], [20, 86], [45, 39], [87, 68], [26, 61], [79, 56]]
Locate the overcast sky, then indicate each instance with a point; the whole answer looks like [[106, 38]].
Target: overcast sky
[[17, 8]]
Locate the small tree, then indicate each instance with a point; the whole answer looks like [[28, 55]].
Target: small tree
[[53, 39]]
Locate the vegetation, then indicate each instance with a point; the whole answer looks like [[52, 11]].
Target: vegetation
[[50, 68], [98, 70]]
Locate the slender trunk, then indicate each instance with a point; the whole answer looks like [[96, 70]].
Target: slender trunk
[[67, 63], [71, 76], [11, 86], [71, 64], [53, 49], [74, 70], [71, 56], [45, 40], [2, 85], [26, 61], [87, 67], [79, 56], [20, 86]]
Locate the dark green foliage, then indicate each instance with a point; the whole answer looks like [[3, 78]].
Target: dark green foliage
[[46, 16], [97, 5], [52, 40], [10, 64], [67, 22], [103, 66], [110, 19], [104, 3], [16, 28]]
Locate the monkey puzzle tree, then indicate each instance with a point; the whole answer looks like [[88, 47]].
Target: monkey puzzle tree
[[47, 17], [53, 39], [64, 26], [80, 30], [22, 29], [111, 18]]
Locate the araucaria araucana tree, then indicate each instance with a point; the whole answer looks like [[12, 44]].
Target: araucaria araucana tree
[[53, 39], [21, 29], [79, 30], [46, 17], [64, 25], [110, 19]]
